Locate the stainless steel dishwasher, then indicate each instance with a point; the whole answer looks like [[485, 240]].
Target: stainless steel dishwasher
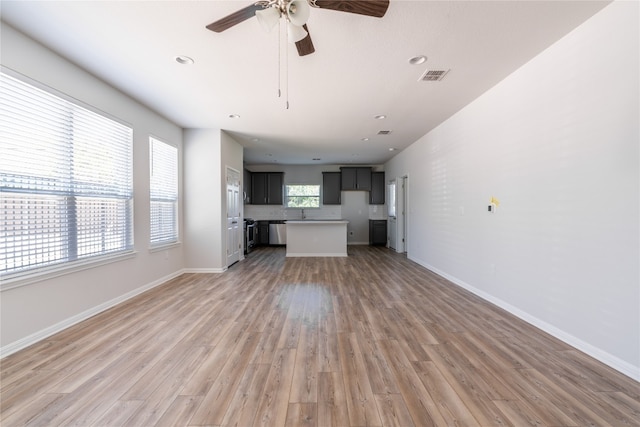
[[278, 234]]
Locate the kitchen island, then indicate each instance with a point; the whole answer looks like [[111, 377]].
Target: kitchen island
[[317, 238]]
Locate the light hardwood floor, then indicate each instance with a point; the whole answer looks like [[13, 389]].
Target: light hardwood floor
[[372, 339]]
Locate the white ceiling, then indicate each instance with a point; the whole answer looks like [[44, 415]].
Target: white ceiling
[[360, 68]]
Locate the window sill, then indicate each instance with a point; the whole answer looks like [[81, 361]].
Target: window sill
[[11, 281]]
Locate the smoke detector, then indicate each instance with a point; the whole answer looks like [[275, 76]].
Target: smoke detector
[[433, 75]]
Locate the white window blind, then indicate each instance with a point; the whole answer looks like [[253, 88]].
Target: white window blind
[[66, 180], [164, 192]]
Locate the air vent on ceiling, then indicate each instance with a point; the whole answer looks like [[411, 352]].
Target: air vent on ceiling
[[384, 132], [433, 75]]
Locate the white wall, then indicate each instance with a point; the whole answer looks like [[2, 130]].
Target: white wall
[[33, 311], [355, 209], [203, 200], [557, 143], [207, 152]]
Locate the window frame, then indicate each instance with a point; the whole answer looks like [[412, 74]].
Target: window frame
[[318, 196], [71, 262], [155, 245]]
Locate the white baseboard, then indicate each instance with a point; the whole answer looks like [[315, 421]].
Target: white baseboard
[[54, 329], [204, 270], [608, 359], [309, 255]]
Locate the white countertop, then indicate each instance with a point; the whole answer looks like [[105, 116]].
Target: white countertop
[[317, 221]]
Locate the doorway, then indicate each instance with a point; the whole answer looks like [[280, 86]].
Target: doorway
[[402, 214], [392, 215], [234, 229]]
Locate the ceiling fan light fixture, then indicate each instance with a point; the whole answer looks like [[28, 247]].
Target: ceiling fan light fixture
[[298, 12], [295, 33], [268, 18]]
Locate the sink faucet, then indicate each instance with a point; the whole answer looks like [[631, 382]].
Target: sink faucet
[[302, 214]]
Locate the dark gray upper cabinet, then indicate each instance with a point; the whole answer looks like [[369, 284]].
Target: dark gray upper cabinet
[[246, 184], [266, 188], [376, 196], [356, 178], [331, 184]]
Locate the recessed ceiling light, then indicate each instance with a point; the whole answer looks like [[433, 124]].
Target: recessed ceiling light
[[184, 60], [234, 116], [364, 139], [392, 149], [417, 60], [380, 117]]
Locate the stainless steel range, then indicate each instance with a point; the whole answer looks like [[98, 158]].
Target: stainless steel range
[[249, 234]]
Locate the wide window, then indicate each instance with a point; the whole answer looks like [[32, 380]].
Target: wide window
[[164, 192], [65, 178], [302, 196]]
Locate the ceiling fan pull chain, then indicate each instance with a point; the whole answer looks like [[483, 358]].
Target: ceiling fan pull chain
[[279, 60], [286, 65]]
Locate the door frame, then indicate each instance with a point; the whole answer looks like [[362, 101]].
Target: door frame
[[234, 254], [402, 213]]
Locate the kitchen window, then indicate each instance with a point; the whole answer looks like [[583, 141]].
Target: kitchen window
[[163, 192], [302, 196], [65, 179]]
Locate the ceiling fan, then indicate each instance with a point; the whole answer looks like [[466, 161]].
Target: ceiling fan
[[296, 12]]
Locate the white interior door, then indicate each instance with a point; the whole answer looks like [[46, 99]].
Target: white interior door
[[234, 226]]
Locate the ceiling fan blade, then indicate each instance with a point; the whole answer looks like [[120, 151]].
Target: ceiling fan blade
[[305, 46], [376, 8], [234, 19]]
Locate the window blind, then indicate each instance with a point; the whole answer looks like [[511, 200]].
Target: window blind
[[163, 192], [65, 180]]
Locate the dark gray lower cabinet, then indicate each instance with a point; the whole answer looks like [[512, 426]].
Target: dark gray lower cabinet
[[263, 233], [378, 232]]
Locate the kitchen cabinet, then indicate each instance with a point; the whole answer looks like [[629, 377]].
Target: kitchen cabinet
[[376, 195], [262, 235], [355, 178], [246, 187], [378, 232], [331, 188], [266, 188]]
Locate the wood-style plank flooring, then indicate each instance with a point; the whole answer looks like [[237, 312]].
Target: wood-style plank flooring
[[368, 340]]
